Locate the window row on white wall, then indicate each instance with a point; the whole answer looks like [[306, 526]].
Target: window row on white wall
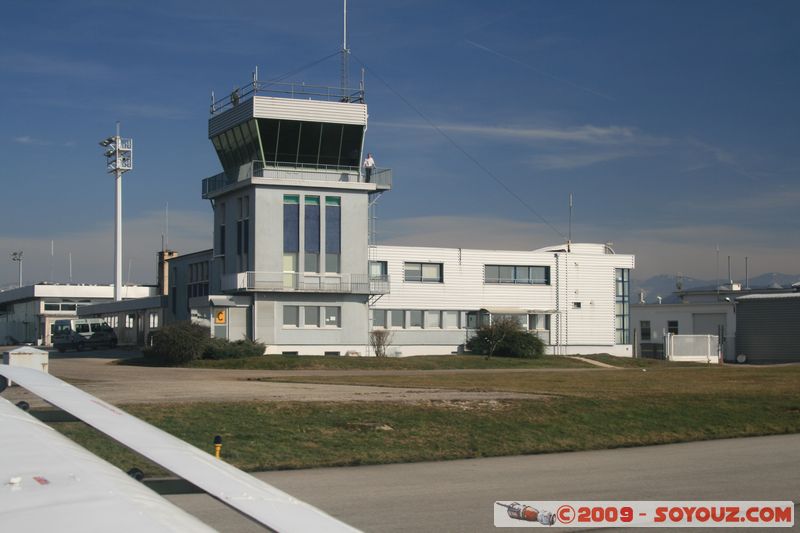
[[312, 316], [448, 319], [435, 273]]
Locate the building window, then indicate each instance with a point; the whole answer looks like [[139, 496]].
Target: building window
[[379, 318], [672, 327], [333, 234], [433, 320], [198, 279], [623, 313], [526, 275], [398, 318], [333, 317], [576, 305], [450, 319], [129, 319], [221, 230], [291, 314], [424, 272], [153, 320], [311, 232], [644, 326], [291, 232], [243, 233], [415, 318], [311, 316], [378, 270]]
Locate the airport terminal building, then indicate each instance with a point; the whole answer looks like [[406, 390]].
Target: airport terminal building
[[294, 266]]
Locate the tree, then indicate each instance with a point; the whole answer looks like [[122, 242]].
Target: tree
[[380, 339], [504, 336]]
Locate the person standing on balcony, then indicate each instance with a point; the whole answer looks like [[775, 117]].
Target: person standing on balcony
[[369, 164]]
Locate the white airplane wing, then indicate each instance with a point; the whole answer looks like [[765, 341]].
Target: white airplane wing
[[49, 483], [260, 501]]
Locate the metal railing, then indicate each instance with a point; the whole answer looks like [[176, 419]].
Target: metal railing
[[284, 89], [382, 177], [305, 282]]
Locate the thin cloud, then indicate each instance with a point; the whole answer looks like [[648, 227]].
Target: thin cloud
[[587, 134], [53, 66]]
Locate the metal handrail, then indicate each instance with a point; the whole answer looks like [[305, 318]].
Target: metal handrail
[[287, 89], [306, 282], [300, 171]]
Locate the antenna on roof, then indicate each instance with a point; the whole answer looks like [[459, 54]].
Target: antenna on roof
[[345, 56], [569, 237]]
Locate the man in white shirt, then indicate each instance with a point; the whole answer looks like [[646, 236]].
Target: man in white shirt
[[369, 164]]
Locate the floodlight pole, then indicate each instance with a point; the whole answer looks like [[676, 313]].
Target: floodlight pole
[[119, 159], [17, 256]]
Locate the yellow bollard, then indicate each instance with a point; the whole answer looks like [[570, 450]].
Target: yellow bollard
[[217, 446]]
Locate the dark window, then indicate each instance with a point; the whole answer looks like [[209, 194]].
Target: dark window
[[622, 308], [269, 138], [644, 325], [351, 145], [309, 143], [576, 305], [330, 145], [672, 327], [288, 141]]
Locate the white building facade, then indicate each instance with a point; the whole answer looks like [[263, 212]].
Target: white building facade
[[576, 301]]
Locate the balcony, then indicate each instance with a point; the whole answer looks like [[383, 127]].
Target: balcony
[[381, 177], [299, 282]]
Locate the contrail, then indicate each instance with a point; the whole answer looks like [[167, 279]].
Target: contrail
[[538, 70]]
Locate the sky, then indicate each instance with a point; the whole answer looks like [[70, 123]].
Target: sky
[[675, 125]]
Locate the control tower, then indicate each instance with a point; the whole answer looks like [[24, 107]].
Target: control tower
[[290, 264]]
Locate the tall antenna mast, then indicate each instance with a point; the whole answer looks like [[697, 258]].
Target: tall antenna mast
[[345, 56]]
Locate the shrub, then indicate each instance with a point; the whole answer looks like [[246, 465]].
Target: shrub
[[505, 337], [177, 344], [224, 349], [380, 339]]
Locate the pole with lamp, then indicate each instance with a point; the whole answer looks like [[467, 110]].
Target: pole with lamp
[[17, 257], [119, 159]]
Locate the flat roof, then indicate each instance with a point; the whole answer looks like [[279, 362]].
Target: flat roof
[[71, 290]]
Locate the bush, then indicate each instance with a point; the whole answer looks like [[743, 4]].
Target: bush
[[177, 344], [505, 337], [182, 342], [225, 349]]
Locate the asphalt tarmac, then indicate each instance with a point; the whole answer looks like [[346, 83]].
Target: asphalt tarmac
[[459, 496]]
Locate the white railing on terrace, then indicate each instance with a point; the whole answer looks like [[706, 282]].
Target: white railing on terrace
[[305, 282], [382, 177], [283, 89]]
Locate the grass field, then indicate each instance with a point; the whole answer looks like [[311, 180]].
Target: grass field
[[437, 362], [581, 410]]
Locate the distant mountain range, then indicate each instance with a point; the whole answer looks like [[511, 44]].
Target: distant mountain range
[[663, 285]]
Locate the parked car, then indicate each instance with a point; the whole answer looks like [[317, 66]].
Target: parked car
[[82, 333]]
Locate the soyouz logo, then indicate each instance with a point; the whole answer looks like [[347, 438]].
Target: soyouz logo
[[644, 514]]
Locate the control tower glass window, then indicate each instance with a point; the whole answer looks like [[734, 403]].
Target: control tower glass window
[[310, 144]]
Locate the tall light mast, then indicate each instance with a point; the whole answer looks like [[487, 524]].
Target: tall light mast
[[119, 159]]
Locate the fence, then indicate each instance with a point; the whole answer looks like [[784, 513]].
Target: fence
[[694, 348]]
